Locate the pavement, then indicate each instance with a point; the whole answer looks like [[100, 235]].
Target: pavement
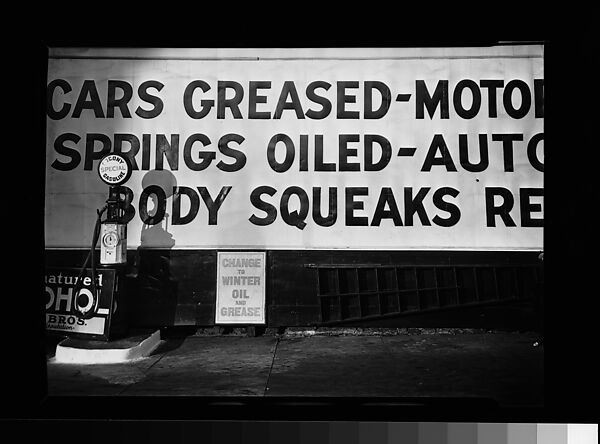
[[503, 367]]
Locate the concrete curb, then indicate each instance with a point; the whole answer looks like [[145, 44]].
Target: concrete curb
[[365, 331], [291, 332], [80, 355]]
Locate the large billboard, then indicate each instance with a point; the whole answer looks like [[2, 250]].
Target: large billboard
[[395, 149]]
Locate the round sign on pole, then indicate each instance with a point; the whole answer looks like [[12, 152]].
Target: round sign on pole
[[114, 169]]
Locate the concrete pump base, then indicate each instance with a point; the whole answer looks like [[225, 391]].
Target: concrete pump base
[[81, 351]]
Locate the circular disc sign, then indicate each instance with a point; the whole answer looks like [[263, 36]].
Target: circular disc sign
[[114, 169]]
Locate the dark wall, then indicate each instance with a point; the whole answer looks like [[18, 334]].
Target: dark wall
[[325, 287]]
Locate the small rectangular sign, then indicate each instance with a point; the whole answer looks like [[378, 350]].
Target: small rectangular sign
[[60, 291], [240, 288]]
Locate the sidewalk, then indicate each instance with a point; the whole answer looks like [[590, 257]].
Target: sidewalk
[[504, 367]]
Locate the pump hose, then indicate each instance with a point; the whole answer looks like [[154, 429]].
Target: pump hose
[[91, 255]]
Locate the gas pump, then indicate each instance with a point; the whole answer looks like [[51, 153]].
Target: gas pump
[[113, 231], [114, 170]]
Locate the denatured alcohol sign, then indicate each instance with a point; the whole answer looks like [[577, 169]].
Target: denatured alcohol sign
[[60, 296], [240, 288]]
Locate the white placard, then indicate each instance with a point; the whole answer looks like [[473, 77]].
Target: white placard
[[240, 288]]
